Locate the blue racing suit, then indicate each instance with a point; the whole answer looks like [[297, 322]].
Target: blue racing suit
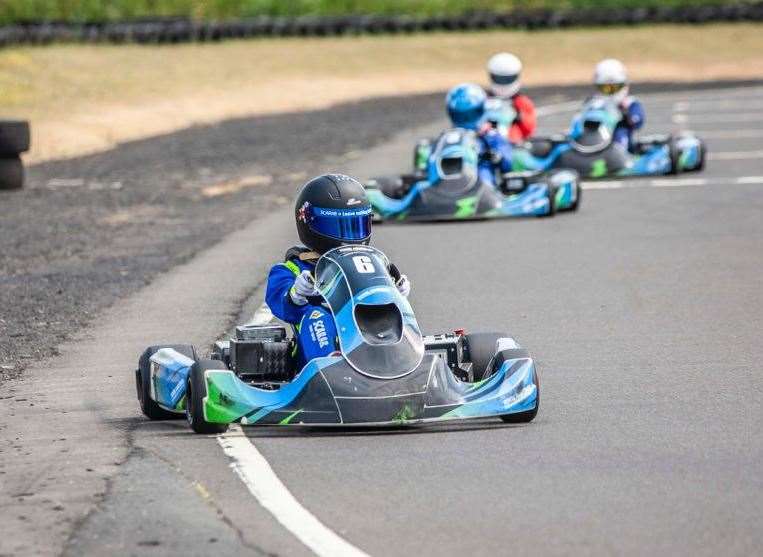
[[495, 155], [633, 119], [314, 327], [313, 324]]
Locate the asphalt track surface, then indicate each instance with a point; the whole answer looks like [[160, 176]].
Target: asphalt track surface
[[643, 311]]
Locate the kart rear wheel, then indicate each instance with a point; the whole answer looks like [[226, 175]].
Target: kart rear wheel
[[148, 406], [11, 173], [481, 351], [578, 197], [196, 392]]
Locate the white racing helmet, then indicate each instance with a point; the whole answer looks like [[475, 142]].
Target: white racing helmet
[[611, 79], [504, 69]]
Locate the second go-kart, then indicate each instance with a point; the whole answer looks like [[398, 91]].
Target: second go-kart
[[383, 372], [590, 149], [451, 185]]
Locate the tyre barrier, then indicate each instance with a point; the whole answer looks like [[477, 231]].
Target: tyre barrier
[[178, 30], [14, 140]]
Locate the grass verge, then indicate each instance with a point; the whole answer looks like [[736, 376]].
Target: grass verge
[[84, 99]]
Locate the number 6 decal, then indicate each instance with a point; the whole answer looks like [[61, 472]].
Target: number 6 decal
[[363, 264]]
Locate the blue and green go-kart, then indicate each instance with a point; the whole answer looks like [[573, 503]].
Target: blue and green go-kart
[[451, 185], [384, 372], [589, 148]]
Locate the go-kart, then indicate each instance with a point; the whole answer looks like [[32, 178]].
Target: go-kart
[[590, 149], [451, 186], [384, 372]]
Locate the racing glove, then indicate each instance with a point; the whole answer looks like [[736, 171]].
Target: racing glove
[[302, 288], [403, 285], [401, 281]]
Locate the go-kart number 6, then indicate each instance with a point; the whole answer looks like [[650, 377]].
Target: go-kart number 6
[[364, 264]]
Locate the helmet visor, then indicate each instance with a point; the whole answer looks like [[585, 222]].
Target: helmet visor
[[467, 118], [499, 79], [350, 225], [610, 88]]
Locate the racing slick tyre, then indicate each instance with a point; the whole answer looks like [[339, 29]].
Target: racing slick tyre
[[702, 156], [481, 351], [14, 137], [675, 156], [11, 173], [523, 417], [551, 194], [143, 381], [578, 198], [196, 392]]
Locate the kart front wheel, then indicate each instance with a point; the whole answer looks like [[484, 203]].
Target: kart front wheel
[[551, 194], [522, 417], [578, 197], [148, 406], [196, 392]]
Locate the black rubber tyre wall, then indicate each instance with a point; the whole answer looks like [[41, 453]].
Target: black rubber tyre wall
[[11, 173], [481, 351], [14, 137], [142, 381], [196, 391]]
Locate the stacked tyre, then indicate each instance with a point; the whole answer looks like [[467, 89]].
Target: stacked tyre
[[14, 140]]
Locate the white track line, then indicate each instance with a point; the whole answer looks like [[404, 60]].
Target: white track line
[[719, 105], [732, 134], [734, 155], [272, 494], [726, 118], [672, 183]]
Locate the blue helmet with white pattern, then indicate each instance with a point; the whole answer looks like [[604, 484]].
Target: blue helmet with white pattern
[[466, 105]]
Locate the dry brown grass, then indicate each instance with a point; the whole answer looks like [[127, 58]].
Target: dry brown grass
[[88, 98]]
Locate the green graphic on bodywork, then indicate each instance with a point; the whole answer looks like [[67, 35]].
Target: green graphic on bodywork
[[180, 406], [289, 418], [561, 199], [218, 407], [477, 385], [402, 215], [405, 414], [466, 207], [521, 159], [598, 168]]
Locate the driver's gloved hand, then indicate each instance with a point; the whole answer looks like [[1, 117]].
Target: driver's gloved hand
[[302, 288], [403, 285], [493, 140]]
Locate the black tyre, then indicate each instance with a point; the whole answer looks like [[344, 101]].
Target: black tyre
[[196, 391], [702, 156], [578, 198], [523, 417], [481, 351], [551, 202], [675, 155], [11, 173], [143, 377], [14, 137]]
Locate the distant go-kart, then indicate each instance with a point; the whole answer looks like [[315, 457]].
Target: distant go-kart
[[448, 185], [384, 372], [590, 150]]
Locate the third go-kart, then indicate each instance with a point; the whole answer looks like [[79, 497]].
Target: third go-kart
[[383, 372], [451, 185], [589, 148]]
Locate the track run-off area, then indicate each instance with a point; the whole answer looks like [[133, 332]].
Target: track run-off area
[[643, 312]]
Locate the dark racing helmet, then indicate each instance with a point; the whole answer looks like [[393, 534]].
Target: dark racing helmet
[[333, 210]]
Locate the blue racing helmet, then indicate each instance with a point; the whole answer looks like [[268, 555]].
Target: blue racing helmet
[[333, 210], [466, 105]]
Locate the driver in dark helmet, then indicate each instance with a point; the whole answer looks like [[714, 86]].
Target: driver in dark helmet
[[331, 210]]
